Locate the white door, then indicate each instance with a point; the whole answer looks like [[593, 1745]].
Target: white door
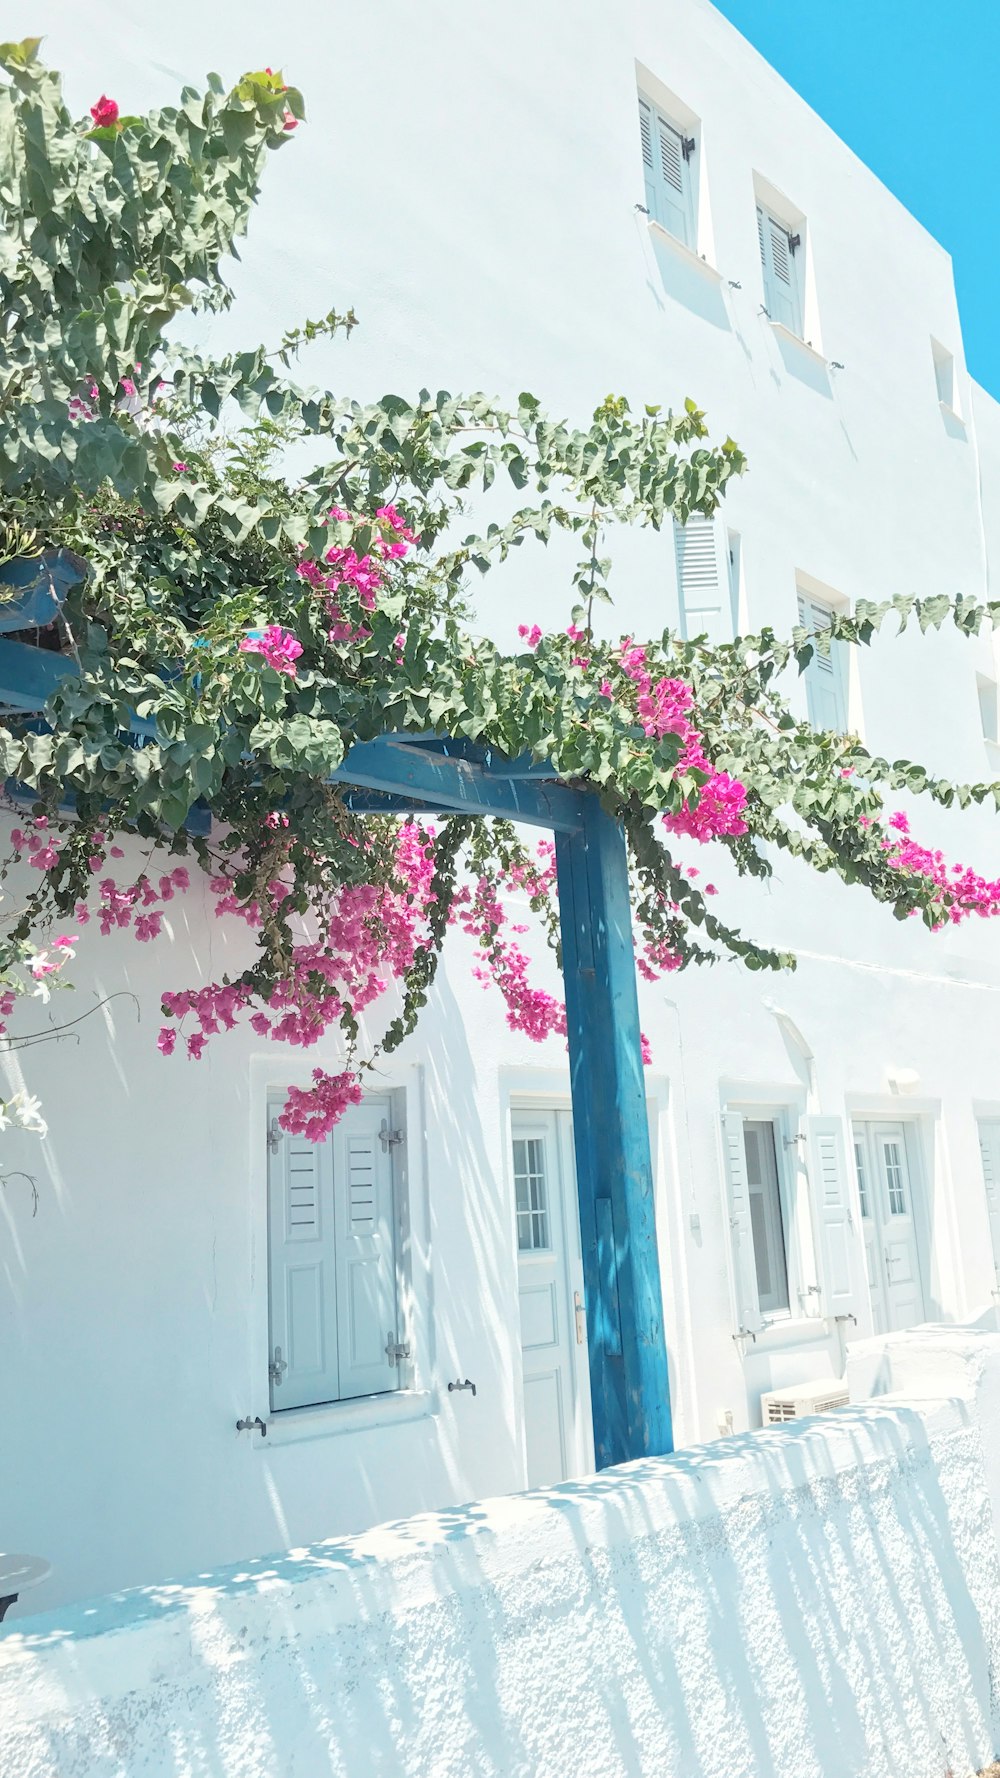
[[896, 1258], [989, 1148], [558, 1430]]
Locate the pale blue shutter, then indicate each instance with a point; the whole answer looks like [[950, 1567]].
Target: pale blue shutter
[[746, 1304], [667, 174], [825, 689], [703, 579], [781, 284], [842, 1275], [366, 1250], [301, 1270], [648, 162]]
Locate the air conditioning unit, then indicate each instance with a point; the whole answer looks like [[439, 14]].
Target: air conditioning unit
[[779, 1405]]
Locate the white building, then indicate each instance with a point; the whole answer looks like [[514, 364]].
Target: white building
[[473, 182]]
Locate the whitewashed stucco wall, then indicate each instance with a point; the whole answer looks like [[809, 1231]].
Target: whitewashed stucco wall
[[818, 1600], [468, 181]]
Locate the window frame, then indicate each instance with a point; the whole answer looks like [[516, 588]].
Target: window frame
[[418, 1392], [393, 1116]]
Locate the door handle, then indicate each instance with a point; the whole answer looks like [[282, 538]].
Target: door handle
[[581, 1325]]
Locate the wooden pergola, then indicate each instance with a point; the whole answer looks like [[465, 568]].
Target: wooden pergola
[[425, 774]]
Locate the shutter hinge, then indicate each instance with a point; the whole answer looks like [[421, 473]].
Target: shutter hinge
[[396, 1351], [389, 1138], [687, 146], [274, 1136], [794, 241]]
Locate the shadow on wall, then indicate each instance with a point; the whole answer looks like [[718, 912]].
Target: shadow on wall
[[818, 1599]]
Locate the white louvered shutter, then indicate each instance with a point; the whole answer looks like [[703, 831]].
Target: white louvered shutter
[[842, 1272], [825, 674], [667, 174], [366, 1250], [747, 1306], [781, 282], [704, 586], [301, 1272], [989, 1148]]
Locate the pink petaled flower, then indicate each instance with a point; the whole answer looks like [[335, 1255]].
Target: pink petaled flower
[[647, 1054], [279, 648], [290, 122], [574, 633], [46, 858], [64, 943], [195, 1044], [179, 468], [128, 385], [312, 1112], [104, 113], [531, 636], [276, 819], [166, 1041], [605, 689]]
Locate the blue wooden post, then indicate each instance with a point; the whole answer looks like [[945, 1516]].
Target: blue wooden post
[[628, 1357]]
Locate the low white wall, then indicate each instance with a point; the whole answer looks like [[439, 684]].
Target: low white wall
[[818, 1599]]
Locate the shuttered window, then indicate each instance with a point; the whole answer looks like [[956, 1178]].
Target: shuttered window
[[782, 292], [704, 579], [826, 674], [786, 1211], [667, 168], [332, 1281]]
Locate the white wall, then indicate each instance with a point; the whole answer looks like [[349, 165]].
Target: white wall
[[469, 183], [818, 1599]]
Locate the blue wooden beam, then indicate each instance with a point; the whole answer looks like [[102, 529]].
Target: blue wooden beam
[[460, 785], [629, 1383]]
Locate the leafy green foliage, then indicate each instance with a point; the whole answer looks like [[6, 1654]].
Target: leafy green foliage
[[165, 469]]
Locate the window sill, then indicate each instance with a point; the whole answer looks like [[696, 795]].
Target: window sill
[[683, 251], [294, 1426], [951, 413], [797, 340]]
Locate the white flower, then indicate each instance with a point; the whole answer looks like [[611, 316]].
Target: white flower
[[26, 1112]]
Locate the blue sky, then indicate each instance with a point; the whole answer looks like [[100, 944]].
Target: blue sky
[[912, 87]]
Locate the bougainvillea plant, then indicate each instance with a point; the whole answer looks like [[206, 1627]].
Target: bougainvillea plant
[[239, 629]]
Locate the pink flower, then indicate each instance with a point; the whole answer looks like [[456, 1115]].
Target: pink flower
[[575, 634], [531, 637], [105, 112], [290, 123], [179, 468], [166, 1040], [279, 648]]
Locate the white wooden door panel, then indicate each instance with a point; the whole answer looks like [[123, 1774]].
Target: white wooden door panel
[[557, 1426], [891, 1240]]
